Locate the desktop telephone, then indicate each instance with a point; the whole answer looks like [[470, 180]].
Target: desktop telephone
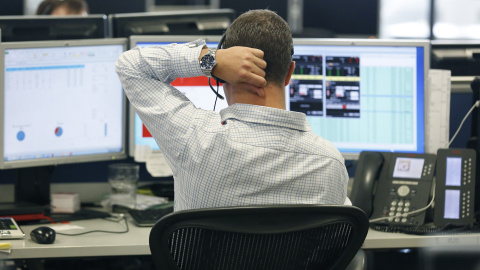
[[389, 185]]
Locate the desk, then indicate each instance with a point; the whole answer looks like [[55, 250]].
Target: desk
[[135, 242], [96, 244], [385, 240]]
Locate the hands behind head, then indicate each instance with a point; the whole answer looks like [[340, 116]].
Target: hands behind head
[[241, 65]]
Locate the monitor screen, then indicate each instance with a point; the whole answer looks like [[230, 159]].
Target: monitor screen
[[62, 102], [362, 94], [185, 22], [196, 89], [41, 27]]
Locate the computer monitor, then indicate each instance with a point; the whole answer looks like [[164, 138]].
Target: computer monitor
[[185, 22], [62, 102], [462, 57], [358, 94], [362, 94], [196, 89], [346, 18], [41, 27]]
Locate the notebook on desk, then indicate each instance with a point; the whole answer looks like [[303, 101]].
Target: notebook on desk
[[9, 229]]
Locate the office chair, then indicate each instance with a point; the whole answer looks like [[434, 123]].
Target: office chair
[[259, 237]]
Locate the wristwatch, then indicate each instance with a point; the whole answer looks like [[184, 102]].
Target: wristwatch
[[208, 62]]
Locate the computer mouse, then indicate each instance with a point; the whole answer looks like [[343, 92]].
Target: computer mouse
[[43, 235]]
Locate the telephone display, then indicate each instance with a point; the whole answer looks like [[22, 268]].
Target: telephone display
[[391, 184], [455, 185]]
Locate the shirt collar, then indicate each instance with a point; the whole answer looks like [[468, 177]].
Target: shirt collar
[[266, 115]]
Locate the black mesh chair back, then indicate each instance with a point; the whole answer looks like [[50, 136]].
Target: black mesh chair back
[[259, 237]]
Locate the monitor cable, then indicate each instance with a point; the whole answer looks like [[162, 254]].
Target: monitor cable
[[121, 216], [477, 104]]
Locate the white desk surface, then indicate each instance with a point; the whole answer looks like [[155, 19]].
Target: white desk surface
[[96, 244], [135, 242], [384, 240]]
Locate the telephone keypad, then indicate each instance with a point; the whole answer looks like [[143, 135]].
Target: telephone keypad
[[398, 207]]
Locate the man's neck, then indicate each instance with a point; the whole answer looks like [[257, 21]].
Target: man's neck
[[274, 97]]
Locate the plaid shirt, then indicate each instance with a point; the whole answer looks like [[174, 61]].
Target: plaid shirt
[[244, 155]]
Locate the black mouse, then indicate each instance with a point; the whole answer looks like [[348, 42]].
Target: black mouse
[[43, 235]]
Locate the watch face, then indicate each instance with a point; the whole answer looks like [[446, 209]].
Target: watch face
[[208, 61]]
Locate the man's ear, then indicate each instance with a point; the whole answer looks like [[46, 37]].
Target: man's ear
[[290, 72]]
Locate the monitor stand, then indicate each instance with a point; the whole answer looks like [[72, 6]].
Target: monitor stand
[[32, 185], [32, 194]]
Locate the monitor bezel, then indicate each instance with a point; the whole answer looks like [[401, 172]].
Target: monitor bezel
[[58, 160], [424, 43], [156, 38], [55, 20], [116, 21]]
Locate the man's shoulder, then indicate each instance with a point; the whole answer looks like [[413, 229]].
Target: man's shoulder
[[318, 145]]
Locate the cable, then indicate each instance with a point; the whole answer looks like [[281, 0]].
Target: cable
[[102, 231], [412, 212], [477, 103], [215, 92]]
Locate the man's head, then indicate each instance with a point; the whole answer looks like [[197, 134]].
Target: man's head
[[267, 31], [63, 7]]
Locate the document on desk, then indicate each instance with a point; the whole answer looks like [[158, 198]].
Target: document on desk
[[155, 161], [437, 109], [157, 165], [6, 247]]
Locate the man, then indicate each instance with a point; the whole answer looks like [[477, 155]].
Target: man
[[254, 152], [62, 7]]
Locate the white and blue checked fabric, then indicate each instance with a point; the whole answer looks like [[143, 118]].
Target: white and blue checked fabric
[[244, 155]]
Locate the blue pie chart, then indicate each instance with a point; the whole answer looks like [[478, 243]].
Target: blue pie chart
[[21, 135]]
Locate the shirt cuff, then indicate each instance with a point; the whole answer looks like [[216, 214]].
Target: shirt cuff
[[186, 59]]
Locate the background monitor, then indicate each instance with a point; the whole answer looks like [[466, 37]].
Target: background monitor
[[61, 102], [118, 6], [196, 89], [344, 18], [462, 57], [185, 22], [11, 8], [362, 94], [41, 27]]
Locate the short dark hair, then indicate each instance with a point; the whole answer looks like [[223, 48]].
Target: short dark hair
[[75, 6], [264, 30]]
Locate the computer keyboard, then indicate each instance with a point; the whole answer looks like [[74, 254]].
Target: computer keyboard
[[148, 217], [9, 229]]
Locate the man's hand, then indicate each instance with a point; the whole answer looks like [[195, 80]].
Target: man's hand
[[240, 65]]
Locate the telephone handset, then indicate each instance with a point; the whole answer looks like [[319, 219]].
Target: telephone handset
[[455, 187], [388, 185]]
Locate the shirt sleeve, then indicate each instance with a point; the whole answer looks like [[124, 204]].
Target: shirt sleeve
[[146, 74]]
